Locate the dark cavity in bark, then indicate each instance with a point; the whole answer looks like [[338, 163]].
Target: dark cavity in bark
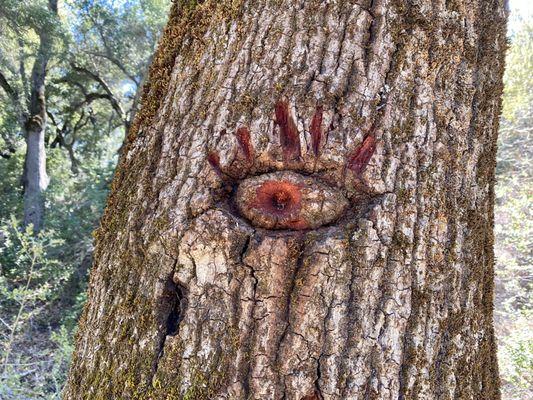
[[316, 130], [314, 396], [176, 303]]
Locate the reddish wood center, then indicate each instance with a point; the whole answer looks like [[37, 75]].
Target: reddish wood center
[[278, 197]]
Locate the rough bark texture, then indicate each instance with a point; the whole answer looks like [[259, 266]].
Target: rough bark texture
[[374, 279]]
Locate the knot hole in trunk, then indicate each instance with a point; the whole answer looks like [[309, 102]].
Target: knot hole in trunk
[[176, 304]]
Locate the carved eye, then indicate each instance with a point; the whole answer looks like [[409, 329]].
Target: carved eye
[[288, 200]]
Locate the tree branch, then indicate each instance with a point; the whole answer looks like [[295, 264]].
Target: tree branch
[[111, 97], [118, 64], [7, 153], [12, 93], [109, 54], [14, 97], [89, 98], [22, 68]]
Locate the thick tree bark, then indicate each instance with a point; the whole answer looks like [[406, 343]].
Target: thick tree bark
[[304, 208]]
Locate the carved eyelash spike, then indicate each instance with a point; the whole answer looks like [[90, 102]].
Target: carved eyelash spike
[[358, 160], [286, 199], [245, 142], [316, 129], [289, 137], [214, 160]]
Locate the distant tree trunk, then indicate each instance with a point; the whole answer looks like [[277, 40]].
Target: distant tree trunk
[[35, 179], [304, 208]]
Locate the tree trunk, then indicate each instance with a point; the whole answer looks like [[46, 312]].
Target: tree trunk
[[304, 208], [34, 178]]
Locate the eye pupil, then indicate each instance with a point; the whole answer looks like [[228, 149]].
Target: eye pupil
[[280, 200]]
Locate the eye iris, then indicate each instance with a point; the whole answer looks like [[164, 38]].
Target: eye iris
[[277, 197]]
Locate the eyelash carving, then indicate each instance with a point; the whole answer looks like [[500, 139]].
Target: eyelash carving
[[287, 199]]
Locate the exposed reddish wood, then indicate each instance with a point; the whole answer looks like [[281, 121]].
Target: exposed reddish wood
[[289, 137], [316, 129], [358, 160], [214, 160], [245, 143], [278, 198], [288, 200]]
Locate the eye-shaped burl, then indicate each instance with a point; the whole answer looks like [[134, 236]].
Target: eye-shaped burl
[[288, 200]]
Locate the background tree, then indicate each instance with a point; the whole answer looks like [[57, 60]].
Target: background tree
[[513, 222], [39, 305], [87, 66], [28, 101], [304, 208]]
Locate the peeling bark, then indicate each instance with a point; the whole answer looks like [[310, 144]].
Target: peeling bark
[[210, 283]]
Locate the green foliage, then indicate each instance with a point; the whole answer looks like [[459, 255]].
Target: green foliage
[[518, 79], [50, 304], [514, 223], [516, 353], [28, 14], [118, 32], [99, 56], [10, 188], [100, 53], [30, 282]]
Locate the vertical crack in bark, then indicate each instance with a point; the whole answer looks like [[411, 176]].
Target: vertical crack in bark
[[370, 40], [318, 391], [287, 311], [417, 304], [172, 306], [248, 369], [177, 310], [327, 318], [351, 315]]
